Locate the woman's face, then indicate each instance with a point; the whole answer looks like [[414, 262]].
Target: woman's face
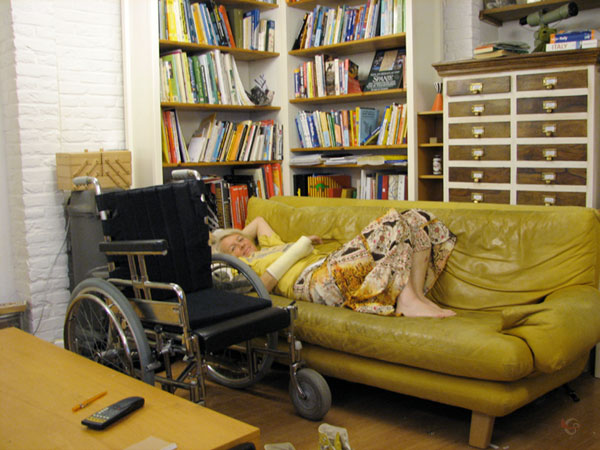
[[237, 245]]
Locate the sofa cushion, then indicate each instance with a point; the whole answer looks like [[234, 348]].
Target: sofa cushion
[[469, 344], [505, 255], [565, 326]]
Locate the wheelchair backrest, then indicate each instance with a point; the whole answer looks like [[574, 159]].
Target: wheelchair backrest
[[174, 212]]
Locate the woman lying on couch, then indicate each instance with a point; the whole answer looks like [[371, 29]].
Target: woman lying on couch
[[387, 269]]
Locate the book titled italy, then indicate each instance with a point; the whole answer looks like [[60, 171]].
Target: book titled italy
[[386, 70]]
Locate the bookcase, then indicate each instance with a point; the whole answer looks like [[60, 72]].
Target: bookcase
[[430, 138], [421, 41], [141, 55]]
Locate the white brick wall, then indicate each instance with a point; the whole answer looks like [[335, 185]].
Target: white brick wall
[[62, 92]]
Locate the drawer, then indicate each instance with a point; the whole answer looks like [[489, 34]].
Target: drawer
[[539, 105], [553, 80], [552, 128], [479, 130], [479, 196], [479, 152], [562, 176], [479, 108], [551, 198], [479, 174], [554, 152], [482, 85]]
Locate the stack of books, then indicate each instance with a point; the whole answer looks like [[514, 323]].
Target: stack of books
[[572, 40], [500, 48]]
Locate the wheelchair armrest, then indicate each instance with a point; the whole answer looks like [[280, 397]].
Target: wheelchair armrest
[[141, 247]]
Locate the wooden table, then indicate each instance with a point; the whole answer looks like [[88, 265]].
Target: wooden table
[[40, 383]]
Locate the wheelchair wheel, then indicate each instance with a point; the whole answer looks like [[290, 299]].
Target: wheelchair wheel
[[231, 366], [101, 325], [317, 399]]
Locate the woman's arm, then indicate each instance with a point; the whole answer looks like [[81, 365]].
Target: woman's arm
[[258, 227]]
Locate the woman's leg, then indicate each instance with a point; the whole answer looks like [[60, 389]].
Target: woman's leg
[[412, 301]]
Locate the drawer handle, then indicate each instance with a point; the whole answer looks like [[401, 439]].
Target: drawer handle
[[476, 88], [550, 82], [477, 110], [548, 177], [549, 105], [549, 129], [549, 200], [477, 175], [476, 197], [477, 153], [477, 132], [549, 153]]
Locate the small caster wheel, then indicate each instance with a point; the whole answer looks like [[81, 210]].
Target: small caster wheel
[[317, 397]]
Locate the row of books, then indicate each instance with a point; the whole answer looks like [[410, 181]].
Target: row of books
[[332, 25], [353, 127], [209, 78], [383, 186], [206, 23], [323, 185], [336, 128], [326, 76], [228, 195], [225, 140]]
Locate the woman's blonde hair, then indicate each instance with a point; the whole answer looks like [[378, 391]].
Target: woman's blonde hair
[[217, 236]]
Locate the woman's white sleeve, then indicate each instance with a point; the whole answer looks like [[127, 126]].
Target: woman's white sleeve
[[301, 248]]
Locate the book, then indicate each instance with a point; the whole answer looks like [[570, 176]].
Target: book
[[571, 45], [569, 36], [386, 70]]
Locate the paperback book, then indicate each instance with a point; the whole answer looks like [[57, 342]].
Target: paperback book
[[386, 70]]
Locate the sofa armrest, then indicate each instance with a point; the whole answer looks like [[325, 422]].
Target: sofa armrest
[[558, 330]]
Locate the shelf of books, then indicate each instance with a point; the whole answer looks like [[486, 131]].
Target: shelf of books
[[212, 120], [361, 144]]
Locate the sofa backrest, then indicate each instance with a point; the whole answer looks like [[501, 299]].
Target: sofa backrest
[[505, 255]]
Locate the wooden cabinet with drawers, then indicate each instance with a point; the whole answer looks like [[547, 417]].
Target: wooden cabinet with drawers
[[523, 129]]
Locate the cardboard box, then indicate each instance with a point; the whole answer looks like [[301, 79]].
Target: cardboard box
[[112, 168]]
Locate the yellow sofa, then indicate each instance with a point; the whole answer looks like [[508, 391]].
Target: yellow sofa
[[524, 284]]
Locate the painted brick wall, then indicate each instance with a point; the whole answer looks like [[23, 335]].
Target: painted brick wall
[[66, 96]]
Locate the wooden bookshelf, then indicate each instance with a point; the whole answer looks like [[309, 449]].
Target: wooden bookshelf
[[238, 53], [216, 107], [223, 164], [249, 4], [429, 125], [497, 16], [365, 148], [353, 47], [360, 97], [349, 166]]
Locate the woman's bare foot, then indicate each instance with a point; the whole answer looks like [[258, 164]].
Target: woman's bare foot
[[411, 305]]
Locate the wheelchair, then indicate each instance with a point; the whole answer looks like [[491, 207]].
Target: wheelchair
[[172, 313]]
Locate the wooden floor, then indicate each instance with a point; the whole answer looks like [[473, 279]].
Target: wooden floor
[[377, 419]]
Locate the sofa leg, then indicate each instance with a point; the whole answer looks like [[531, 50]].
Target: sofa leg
[[482, 426]]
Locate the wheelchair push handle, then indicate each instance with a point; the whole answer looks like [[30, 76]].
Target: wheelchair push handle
[[184, 174], [85, 181]]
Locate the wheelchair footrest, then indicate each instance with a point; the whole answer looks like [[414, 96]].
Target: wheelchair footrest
[[242, 328]]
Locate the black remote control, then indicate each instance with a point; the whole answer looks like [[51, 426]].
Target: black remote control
[[103, 418]]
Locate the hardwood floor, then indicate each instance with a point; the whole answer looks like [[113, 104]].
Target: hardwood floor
[[377, 419]]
